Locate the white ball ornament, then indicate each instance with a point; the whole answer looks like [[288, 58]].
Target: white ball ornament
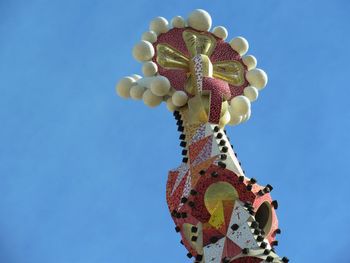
[[136, 92], [220, 32], [257, 78], [150, 99], [149, 68], [160, 86], [143, 51], [251, 93], [199, 19], [123, 87], [246, 116], [170, 105], [240, 105], [159, 25], [179, 98], [235, 118], [149, 36], [250, 61], [178, 22], [240, 44]]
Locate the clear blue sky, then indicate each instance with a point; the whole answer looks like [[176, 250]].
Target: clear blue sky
[[83, 172]]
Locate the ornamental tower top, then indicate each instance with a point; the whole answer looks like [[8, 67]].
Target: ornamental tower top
[[222, 215], [187, 66]]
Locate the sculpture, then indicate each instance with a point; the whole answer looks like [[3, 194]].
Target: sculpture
[[222, 215]]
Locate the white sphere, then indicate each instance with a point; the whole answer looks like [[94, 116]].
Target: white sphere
[[239, 44], [246, 116], [235, 118], [220, 32], [170, 105], [199, 19], [250, 61], [149, 68], [159, 25], [251, 93], [143, 51], [149, 36], [179, 98], [160, 86], [257, 78], [178, 22], [136, 77], [240, 104], [136, 92], [150, 99], [123, 87]]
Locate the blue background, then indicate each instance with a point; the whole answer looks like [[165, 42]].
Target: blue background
[[83, 172]]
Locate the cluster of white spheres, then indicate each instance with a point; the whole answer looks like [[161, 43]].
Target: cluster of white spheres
[[239, 110], [153, 88]]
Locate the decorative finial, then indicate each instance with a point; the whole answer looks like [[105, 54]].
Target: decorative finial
[[186, 65]]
